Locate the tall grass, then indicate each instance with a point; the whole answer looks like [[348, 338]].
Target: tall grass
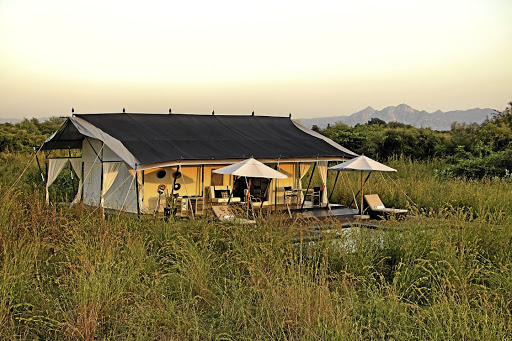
[[416, 186], [68, 274]]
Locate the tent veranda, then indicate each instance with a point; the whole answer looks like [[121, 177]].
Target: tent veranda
[[251, 168]]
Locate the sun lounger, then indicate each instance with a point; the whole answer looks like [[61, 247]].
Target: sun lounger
[[376, 208], [225, 214]]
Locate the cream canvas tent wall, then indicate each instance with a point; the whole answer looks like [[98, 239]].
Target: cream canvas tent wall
[[126, 157]]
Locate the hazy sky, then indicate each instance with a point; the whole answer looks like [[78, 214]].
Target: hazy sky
[[310, 58]]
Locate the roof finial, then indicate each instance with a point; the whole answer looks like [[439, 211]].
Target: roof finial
[[72, 110], [252, 113], [170, 110], [290, 116], [213, 112], [124, 110]]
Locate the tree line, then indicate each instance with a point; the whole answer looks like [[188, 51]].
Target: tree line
[[29, 133], [469, 150]]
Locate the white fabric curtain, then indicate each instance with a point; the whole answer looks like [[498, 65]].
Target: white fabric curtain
[[54, 168], [77, 167], [322, 170], [110, 171], [91, 190], [122, 196], [304, 167]]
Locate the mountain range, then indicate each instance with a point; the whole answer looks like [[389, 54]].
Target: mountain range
[[403, 113]]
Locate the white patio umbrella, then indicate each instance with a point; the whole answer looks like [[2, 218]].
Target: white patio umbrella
[[251, 168], [362, 164]]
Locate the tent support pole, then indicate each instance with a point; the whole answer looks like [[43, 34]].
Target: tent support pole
[[202, 180], [275, 192], [83, 183], [94, 150], [101, 186], [39, 165], [71, 170], [333, 187], [231, 192], [172, 192], [359, 191], [309, 184], [137, 192]]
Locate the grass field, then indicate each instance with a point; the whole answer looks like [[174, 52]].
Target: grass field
[[445, 275]]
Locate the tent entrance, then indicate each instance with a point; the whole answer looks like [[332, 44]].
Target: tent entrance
[[259, 188]]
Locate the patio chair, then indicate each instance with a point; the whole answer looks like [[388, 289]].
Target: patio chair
[[376, 208], [290, 196], [317, 196], [220, 194]]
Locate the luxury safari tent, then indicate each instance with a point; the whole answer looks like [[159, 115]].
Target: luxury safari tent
[[147, 163]]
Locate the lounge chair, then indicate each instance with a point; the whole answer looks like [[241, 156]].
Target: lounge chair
[[225, 214], [377, 209]]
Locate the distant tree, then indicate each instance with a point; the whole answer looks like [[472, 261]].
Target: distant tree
[[315, 128], [504, 116], [376, 121]]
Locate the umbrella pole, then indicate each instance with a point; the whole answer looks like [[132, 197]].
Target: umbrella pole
[[362, 195], [365, 180], [248, 195]]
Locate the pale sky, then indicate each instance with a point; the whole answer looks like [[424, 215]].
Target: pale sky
[[310, 58]]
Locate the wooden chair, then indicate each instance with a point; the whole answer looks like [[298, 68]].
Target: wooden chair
[[375, 208], [290, 196], [316, 198], [220, 194]]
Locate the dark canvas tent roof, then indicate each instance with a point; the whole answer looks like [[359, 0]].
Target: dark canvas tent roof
[[157, 138]]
